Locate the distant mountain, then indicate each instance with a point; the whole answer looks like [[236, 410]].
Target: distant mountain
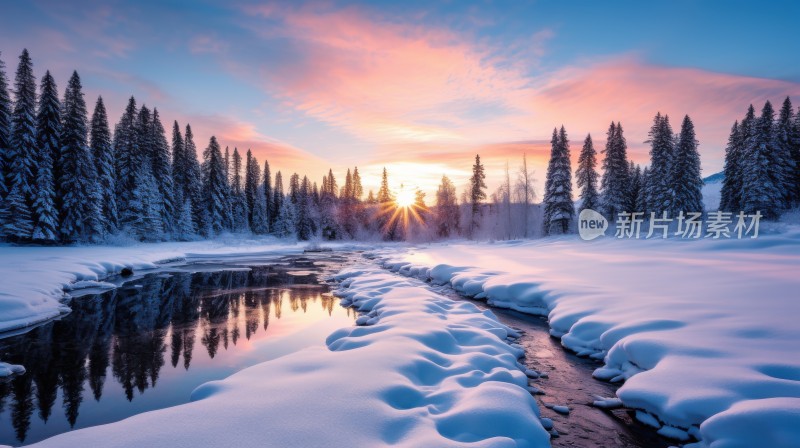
[[715, 178]]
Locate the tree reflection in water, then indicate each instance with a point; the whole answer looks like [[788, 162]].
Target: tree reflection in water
[[128, 332]]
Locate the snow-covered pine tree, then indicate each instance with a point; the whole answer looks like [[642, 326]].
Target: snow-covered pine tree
[[277, 199], [48, 127], [194, 180], [23, 154], [477, 194], [5, 137], [185, 228], [239, 210], [634, 186], [285, 224], [77, 188], [251, 183], [641, 199], [447, 213], [759, 191], [162, 173], [267, 186], [614, 183], [795, 150], [260, 222], [558, 207], [147, 221], [328, 223], [103, 154], [179, 184], [128, 159], [215, 186], [686, 182], [731, 193], [294, 187], [586, 175], [783, 165], [304, 223], [659, 193]]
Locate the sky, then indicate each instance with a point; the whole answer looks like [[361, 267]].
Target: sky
[[419, 87]]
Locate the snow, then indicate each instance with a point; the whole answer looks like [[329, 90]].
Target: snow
[[7, 369], [699, 331], [428, 371], [33, 279]]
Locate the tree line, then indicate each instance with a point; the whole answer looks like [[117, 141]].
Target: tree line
[[66, 177], [761, 174]]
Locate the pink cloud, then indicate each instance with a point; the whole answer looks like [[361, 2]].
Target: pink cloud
[[384, 81], [587, 99]]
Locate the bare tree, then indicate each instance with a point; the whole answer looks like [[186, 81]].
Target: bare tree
[[525, 192]]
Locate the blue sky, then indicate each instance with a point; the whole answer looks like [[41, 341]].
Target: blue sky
[[418, 86]]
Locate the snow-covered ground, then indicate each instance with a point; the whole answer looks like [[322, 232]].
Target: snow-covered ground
[[425, 371], [704, 333], [33, 279]]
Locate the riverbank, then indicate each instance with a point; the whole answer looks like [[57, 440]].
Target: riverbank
[[703, 333], [422, 370], [33, 278]]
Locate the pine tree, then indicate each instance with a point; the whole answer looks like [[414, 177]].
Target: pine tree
[[759, 191], [285, 224], [635, 189], [686, 181], [731, 193], [304, 225], [329, 225], [239, 209], [659, 192], [268, 210], [179, 181], [78, 191], [614, 183], [252, 180], [358, 189], [162, 172], [215, 187], [23, 154], [795, 151], [641, 200], [128, 159], [48, 127], [5, 138], [384, 194], [103, 155], [586, 175], [260, 224], [194, 180], [185, 228], [477, 193], [558, 207], [782, 160], [447, 213], [277, 199]]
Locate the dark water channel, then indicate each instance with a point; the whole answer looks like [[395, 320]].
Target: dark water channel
[[147, 344], [569, 382]]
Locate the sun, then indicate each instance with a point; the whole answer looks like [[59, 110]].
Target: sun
[[405, 198]]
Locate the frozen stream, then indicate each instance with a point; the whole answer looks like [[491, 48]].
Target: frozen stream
[[147, 344]]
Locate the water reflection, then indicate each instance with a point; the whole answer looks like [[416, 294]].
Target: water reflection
[[130, 334]]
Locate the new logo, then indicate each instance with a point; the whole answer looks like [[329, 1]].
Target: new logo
[[591, 224]]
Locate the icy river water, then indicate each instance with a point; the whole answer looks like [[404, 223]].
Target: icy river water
[[147, 344]]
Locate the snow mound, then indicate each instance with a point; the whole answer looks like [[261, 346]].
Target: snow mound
[[424, 371], [701, 332], [7, 369]]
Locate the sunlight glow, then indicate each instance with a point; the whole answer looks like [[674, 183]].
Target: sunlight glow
[[405, 198]]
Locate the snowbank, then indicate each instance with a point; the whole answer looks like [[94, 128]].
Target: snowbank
[[425, 372], [33, 279], [700, 331]]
